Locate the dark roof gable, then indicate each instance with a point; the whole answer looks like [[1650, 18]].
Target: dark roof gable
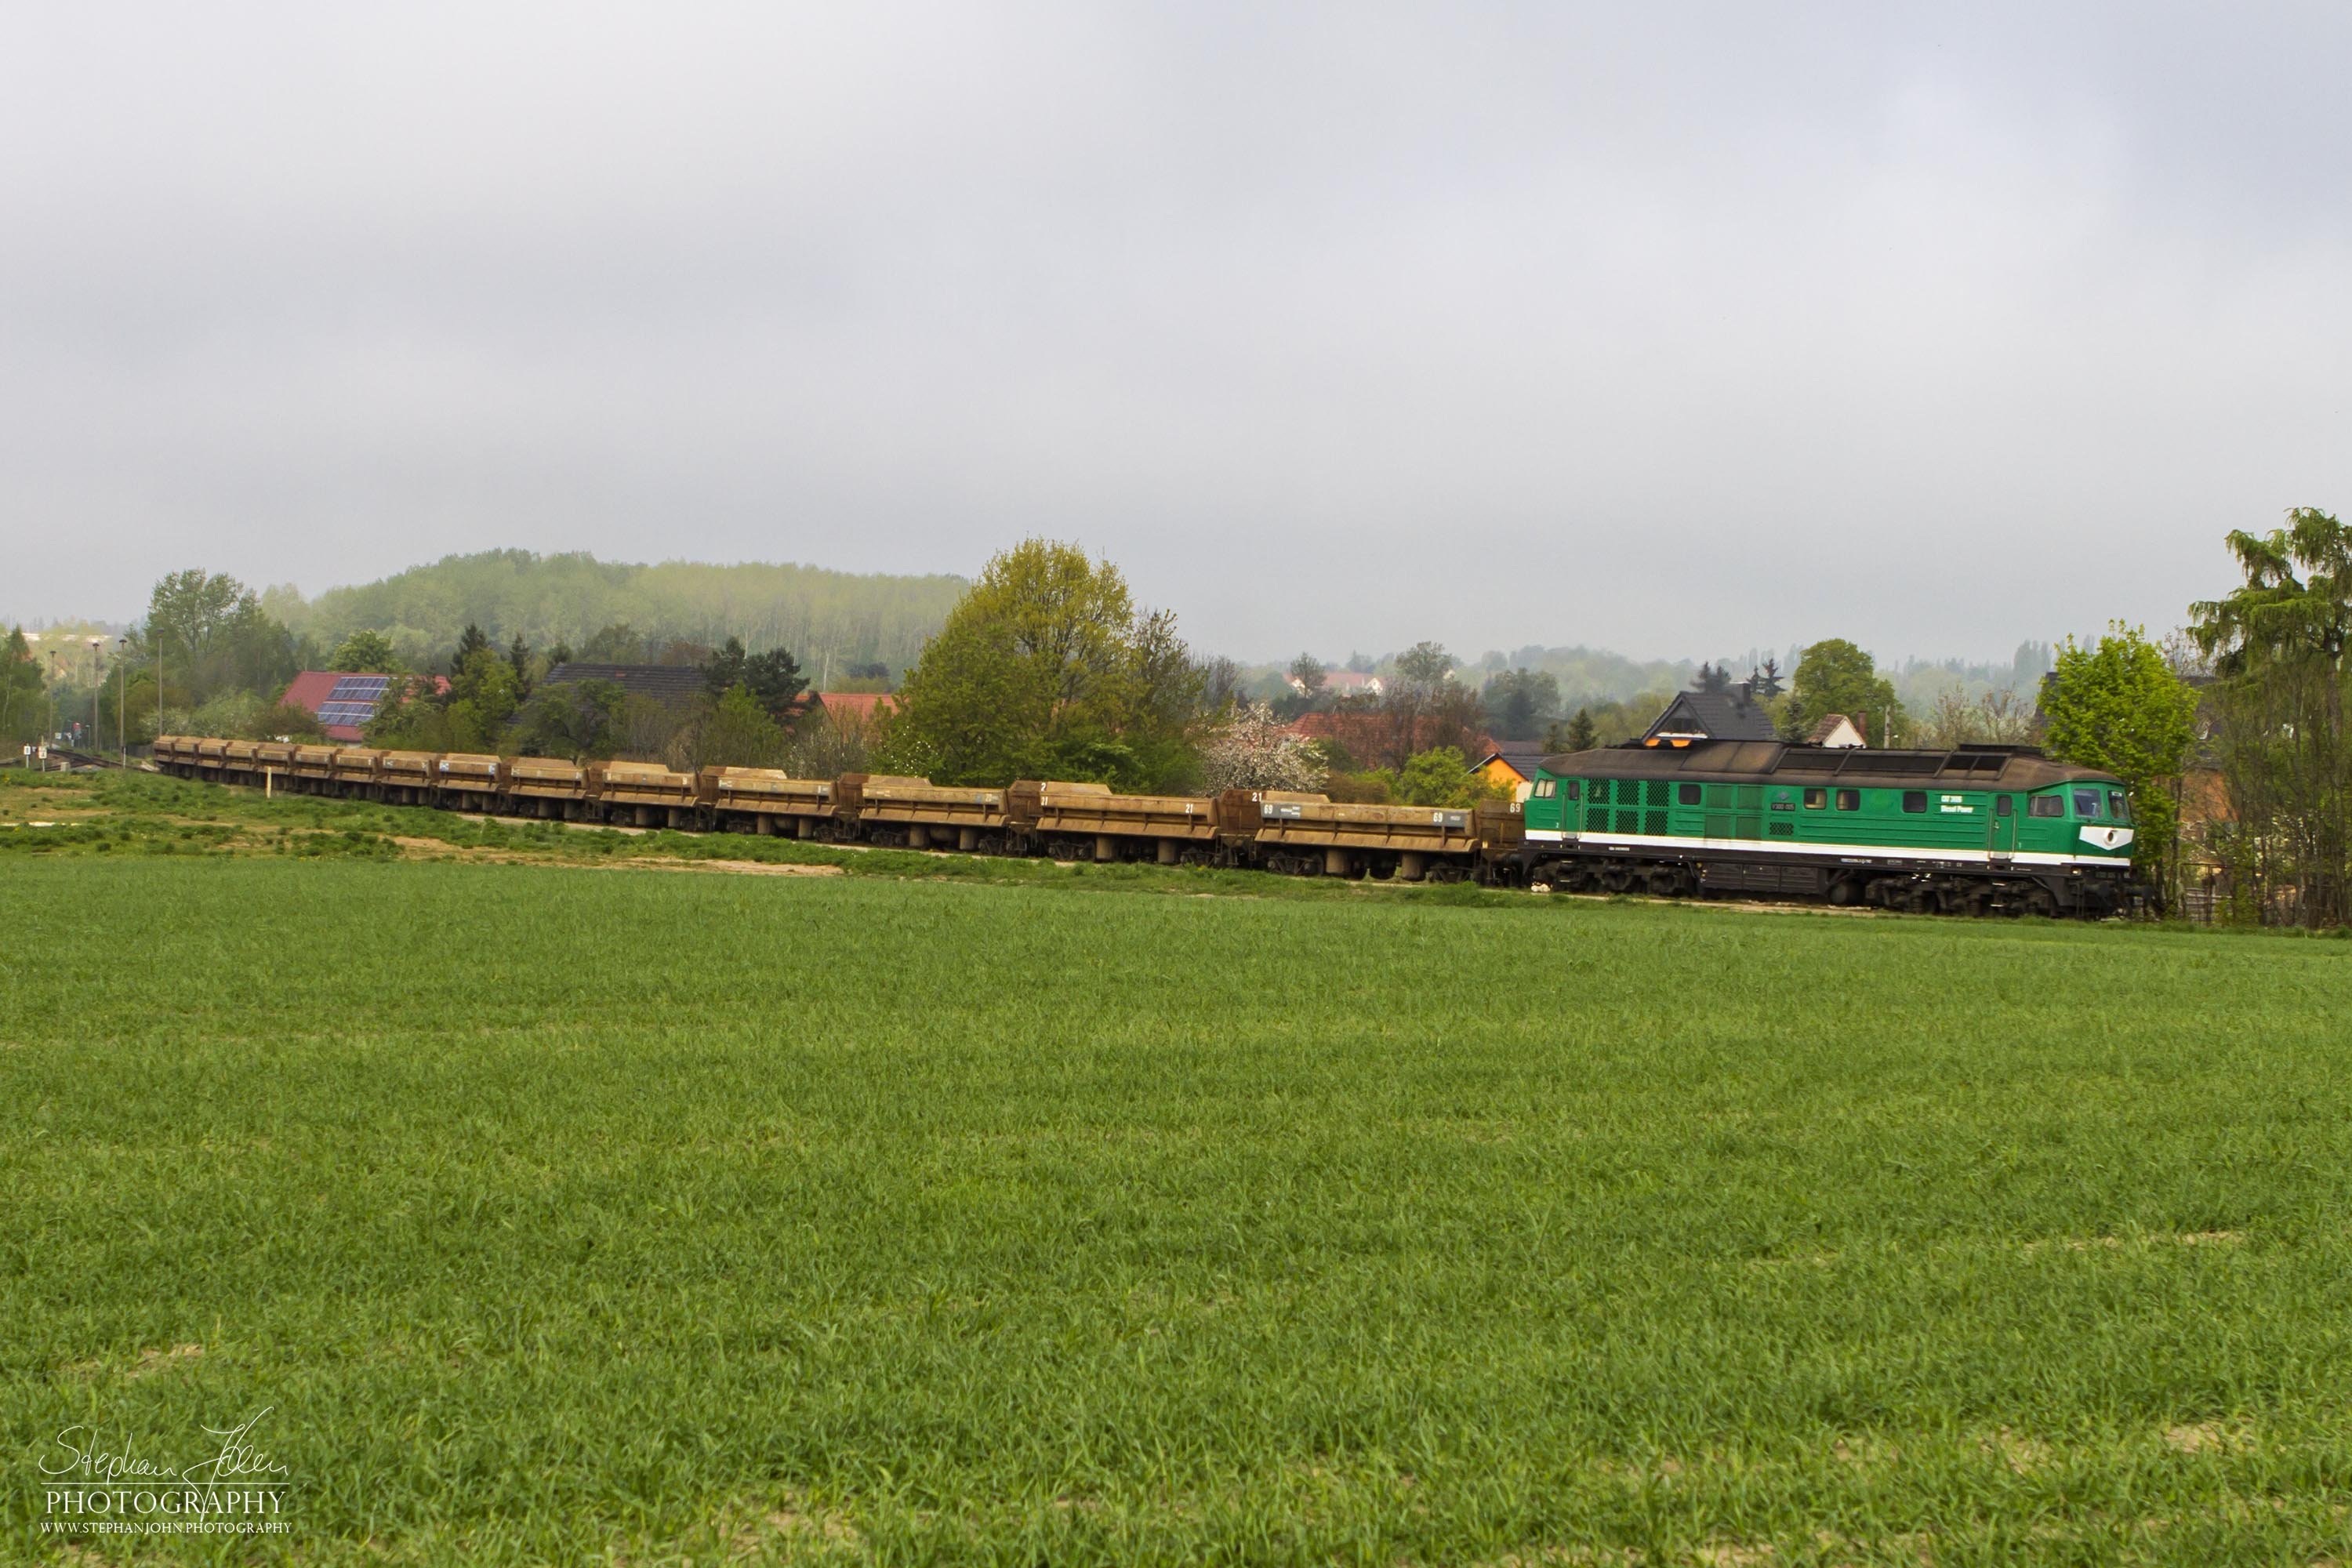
[[1524, 756], [1717, 715], [655, 682]]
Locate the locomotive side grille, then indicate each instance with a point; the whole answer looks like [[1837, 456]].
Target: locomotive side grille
[[1628, 821], [1596, 819], [1654, 824]]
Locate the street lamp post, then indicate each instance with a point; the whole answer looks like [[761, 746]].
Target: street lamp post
[[122, 704]]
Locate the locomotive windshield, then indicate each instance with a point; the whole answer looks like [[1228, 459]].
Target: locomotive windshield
[[2118, 807], [2088, 805]]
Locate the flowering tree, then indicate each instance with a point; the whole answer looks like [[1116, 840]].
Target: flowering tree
[[1251, 751]]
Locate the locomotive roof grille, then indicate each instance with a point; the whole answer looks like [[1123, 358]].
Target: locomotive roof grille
[[2010, 767]]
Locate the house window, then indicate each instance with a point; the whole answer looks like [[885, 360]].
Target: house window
[[2046, 805], [1817, 798], [1915, 800], [1849, 800], [1686, 794]]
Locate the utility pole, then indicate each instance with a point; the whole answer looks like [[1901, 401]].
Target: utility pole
[[122, 703], [97, 684]]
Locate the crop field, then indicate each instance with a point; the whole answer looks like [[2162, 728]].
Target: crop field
[[552, 1210]]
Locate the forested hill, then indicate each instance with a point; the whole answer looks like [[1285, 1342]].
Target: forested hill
[[570, 598]]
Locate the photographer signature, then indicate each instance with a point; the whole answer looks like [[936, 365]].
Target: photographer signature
[[236, 1459]]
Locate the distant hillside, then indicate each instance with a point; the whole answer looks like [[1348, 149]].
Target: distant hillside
[[571, 597]]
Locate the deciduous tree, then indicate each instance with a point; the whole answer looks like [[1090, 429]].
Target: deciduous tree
[[580, 720], [366, 651], [1046, 669], [739, 732], [1520, 702], [2282, 706], [215, 636], [2117, 705], [21, 706], [1251, 751], [1835, 677]]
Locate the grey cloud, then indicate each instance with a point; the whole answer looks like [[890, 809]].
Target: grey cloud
[[1677, 330]]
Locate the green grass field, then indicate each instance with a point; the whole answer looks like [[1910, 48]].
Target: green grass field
[[562, 1215]]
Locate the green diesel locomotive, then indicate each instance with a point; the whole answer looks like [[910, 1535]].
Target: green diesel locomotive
[[1976, 830]]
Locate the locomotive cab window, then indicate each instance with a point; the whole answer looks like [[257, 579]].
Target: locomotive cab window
[[1849, 800], [1817, 798], [2087, 805], [1569, 789], [2004, 806], [2118, 807], [1686, 794], [1915, 800], [2045, 806], [1543, 789]]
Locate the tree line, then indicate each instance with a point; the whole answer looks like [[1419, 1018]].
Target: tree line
[[619, 613], [2234, 735]]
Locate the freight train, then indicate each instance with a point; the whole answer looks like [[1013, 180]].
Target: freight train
[[1974, 830]]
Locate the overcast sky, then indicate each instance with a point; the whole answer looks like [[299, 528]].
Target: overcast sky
[[1675, 330]]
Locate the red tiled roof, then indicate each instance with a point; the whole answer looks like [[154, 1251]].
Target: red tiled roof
[[310, 688], [858, 708]]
